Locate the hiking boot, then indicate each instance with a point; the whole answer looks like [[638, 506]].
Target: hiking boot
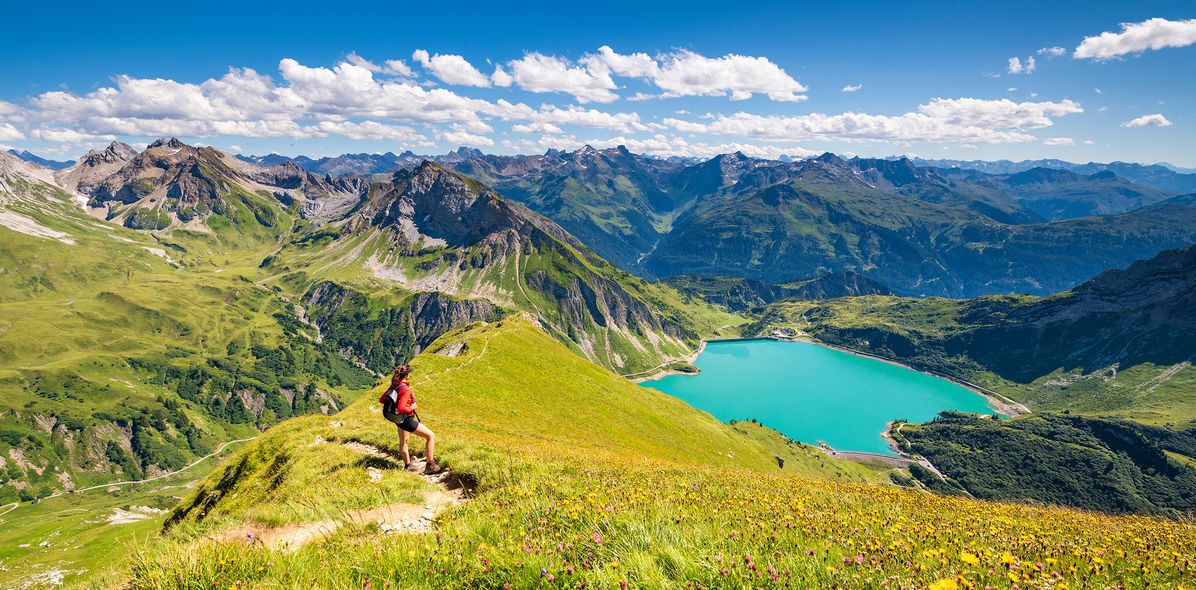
[[433, 468], [412, 467]]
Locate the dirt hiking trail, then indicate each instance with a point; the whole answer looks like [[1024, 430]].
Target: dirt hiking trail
[[392, 519]]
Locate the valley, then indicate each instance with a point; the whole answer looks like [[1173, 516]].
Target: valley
[[160, 303]]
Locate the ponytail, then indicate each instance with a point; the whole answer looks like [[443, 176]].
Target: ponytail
[[399, 375]]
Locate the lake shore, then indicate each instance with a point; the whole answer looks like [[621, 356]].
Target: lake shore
[[999, 403], [661, 372]]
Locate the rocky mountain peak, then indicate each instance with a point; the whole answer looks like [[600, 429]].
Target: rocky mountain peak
[[115, 152], [830, 158], [172, 142]]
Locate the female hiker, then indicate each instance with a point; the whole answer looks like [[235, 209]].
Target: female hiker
[[398, 406]]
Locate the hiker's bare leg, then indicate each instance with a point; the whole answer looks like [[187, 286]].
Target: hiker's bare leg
[[403, 450], [430, 446]]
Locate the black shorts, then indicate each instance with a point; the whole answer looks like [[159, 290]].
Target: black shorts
[[405, 421]]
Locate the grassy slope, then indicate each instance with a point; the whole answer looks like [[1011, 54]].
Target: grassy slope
[[76, 317], [1146, 393], [80, 541], [505, 282], [587, 479]]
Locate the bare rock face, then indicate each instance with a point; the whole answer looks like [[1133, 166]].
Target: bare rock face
[[320, 197], [94, 167], [176, 173], [173, 182]]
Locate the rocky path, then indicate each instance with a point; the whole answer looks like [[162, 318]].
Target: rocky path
[[390, 519]]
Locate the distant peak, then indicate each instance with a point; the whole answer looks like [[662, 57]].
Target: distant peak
[[427, 167], [115, 152], [731, 157], [469, 152], [117, 147], [829, 158], [173, 142]]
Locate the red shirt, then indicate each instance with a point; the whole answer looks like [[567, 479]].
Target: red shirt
[[405, 399]]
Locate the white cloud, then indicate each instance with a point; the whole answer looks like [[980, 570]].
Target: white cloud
[[536, 72], [370, 130], [635, 65], [1155, 33], [539, 127], [1017, 67], [1059, 141], [852, 87], [685, 73], [575, 115], [1089, 142], [501, 78], [60, 135], [8, 132], [962, 120], [1098, 91], [998, 114], [462, 137], [451, 69], [8, 109], [245, 103], [1052, 51], [392, 67], [1155, 120]]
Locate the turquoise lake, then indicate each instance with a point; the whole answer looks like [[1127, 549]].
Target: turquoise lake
[[812, 393]]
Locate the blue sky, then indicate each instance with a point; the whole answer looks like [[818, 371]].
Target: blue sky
[[934, 79]]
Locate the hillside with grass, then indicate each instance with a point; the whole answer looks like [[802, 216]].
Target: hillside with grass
[[128, 354], [1097, 464], [130, 350], [429, 229], [575, 477]]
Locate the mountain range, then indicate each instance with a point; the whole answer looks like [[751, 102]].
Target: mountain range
[[1162, 176], [352, 273], [40, 161], [920, 231], [192, 297], [156, 304], [1118, 344]]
